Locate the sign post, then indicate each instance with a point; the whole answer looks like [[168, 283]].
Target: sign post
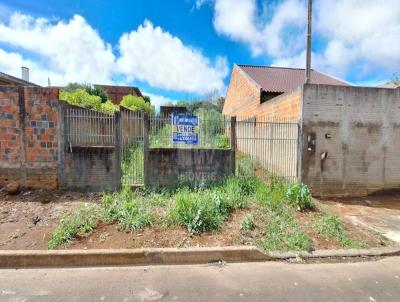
[[185, 130]]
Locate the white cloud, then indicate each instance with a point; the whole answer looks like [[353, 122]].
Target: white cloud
[[240, 21], [153, 55], [359, 37], [159, 100], [74, 51], [360, 34], [11, 62]]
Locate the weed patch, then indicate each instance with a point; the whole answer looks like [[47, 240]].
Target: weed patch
[[127, 209], [283, 233], [247, 223], [82, 221], [331, 227]]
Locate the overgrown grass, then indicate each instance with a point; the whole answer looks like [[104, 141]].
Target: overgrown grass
[[283, 233], [202, 210], [331, 227], [82, 221], [206, 208], [127, 209]]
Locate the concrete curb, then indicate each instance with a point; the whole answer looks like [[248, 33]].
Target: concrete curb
[[166, 256]]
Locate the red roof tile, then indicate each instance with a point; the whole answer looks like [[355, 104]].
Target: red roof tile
[[283, 79]]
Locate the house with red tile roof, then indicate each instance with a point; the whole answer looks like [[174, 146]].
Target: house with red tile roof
[[252, 88]]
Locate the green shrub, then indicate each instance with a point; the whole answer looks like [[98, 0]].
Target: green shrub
[[299, 197], [80, 97], [125, 208], [199, 211], [247, 223], [89, 88], [82, 221], [136, 103], [108, 107]]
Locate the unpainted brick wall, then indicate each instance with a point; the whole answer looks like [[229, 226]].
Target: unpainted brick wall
[[243, 100], [29, 122]]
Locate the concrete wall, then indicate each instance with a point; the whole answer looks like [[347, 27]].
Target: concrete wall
[[90, 169], [359, 128], [29, 141], [243, 99], [168, 167]]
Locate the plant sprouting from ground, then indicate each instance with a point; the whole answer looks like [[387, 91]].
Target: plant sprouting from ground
[[299, 197], [247, 223], [331, 227], [127, 209], [82, 221], [199, 211]]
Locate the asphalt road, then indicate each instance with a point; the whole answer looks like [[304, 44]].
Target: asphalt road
[[364, 281]]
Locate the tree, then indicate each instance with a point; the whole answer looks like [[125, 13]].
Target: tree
[[147, 99], [396, 78]]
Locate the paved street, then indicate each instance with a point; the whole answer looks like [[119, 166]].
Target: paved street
[[367, 281]]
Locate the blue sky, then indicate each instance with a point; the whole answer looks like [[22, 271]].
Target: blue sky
[[182, 49]]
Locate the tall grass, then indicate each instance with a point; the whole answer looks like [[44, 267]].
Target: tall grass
[[82, 221], [331, 227], [127, 209]]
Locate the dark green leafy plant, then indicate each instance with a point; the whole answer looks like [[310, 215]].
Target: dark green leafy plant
[[299, 197]]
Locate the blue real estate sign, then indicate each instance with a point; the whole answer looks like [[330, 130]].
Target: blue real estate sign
[[185, 129]]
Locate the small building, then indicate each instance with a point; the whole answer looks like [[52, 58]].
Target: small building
[[169, 110], [251, 87], [116, 93], [348, 137], [9, 80]]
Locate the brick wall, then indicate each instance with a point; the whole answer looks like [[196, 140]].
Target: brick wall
[[29, 129], [242, 95], [9, 129], [243, 99]]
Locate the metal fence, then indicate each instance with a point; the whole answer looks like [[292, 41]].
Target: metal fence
[[214, 132], [269, 144], [84, 127]]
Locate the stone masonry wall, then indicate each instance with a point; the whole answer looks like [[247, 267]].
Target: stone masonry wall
[[29, 129]]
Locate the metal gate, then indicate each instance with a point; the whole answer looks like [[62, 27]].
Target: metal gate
[[270, 144], [132, 147]]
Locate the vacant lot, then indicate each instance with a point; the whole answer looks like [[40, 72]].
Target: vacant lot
[[271, 214]]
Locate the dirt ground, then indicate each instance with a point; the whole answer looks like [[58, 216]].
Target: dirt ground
[[27, 219]]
